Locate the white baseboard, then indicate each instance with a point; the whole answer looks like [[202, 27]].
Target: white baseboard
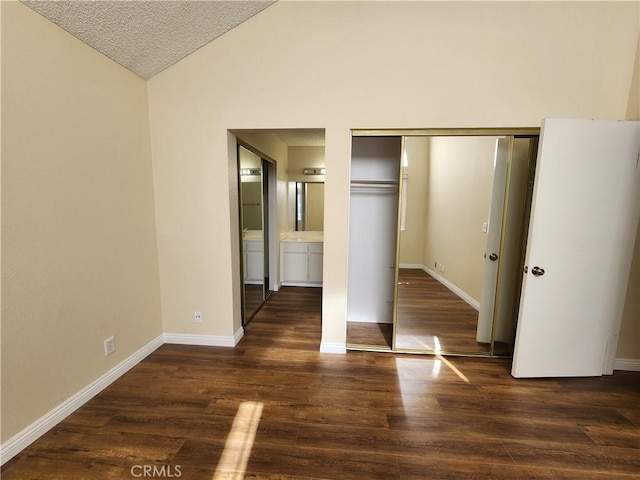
[[411, 266], [369, 320], [460, 293], [26, 437], [329, 347], [204, 340], [238, 336], [627, 364]]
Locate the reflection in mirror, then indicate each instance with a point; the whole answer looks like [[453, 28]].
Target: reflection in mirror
[[452, 237], [251, 215], [305, 175], [309, 206]]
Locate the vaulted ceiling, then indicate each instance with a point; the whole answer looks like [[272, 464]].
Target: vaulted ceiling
[[150, 35]]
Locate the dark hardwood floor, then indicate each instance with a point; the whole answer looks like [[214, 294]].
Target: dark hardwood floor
[[276, 408]]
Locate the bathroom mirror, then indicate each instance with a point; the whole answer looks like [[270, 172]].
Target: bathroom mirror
[[309, 206]]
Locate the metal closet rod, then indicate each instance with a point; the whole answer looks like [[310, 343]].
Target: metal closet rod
[[375, 182]]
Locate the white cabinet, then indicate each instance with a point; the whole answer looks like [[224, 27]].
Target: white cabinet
[[301, 263], [315, 263], [253, 261]]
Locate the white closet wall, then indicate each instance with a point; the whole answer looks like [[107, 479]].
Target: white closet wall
[[373, 224]]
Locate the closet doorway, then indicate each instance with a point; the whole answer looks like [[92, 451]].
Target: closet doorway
[[437, 228]]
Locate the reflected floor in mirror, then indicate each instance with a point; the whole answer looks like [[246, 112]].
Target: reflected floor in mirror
[[431, 317], [253, 299]]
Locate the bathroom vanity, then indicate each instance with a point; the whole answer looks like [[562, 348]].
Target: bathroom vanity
[[301, 259]]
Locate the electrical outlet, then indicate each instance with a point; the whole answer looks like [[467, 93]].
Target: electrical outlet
[[197, 317], [442, 268], [109, 346], [485, 227]]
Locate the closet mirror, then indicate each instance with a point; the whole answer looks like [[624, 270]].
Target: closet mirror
[[252, 214], [461, 204]]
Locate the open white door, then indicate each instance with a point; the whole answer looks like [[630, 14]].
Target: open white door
[[584, 186]]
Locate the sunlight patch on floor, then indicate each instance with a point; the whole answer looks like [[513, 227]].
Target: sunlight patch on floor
[[237, 449], [436, 367]]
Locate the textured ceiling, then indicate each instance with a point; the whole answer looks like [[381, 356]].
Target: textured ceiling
[[147, 36]]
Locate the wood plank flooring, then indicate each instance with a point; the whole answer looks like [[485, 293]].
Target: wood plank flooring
[[357, 416]]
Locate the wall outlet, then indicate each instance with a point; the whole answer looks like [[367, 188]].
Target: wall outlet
[[485, 227], [442, 268], [109, 346], [197, 317]]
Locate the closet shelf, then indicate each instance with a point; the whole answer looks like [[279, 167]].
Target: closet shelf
[[389, 181]]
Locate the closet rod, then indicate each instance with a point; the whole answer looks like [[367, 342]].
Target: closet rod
[[374, 182]]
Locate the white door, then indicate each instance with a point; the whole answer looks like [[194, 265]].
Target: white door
[[496, 211], [584, 186]]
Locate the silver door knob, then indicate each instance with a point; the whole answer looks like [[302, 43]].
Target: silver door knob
[[537, 271], [493, 257]]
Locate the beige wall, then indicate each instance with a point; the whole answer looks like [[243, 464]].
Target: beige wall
[[480, 64], [459, 198], [305, 157], [79, 257], [416, 151]]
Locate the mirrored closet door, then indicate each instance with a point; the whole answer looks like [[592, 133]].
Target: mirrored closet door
[[452, 232], [254, 198]]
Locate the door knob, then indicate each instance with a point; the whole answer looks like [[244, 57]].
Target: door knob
[[537, 271], [493, 257]]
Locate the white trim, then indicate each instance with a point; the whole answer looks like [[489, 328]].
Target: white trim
[[301, 284], [627, 364], [369, 320], [330, 347], [238, 336], [199, 339], [462, 294], [26, 437], [411, 266]]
